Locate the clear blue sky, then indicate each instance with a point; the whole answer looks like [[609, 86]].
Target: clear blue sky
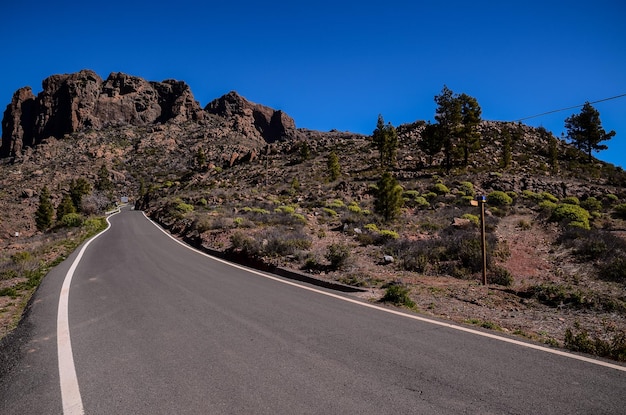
[[338, 64]]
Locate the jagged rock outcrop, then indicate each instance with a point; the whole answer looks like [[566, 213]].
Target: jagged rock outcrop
[[253, 119], [83, 101], [18, 122]]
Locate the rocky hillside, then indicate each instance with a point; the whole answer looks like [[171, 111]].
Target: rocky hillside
[[240, 178]]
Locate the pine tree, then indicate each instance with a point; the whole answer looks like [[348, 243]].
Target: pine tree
[[65, 207], [470, 119], [448, 117], [79, 188], [385, 139], [142, 187], [458, 117], [104, 182], [431, 141], [586, 132], [506, 149], [389, 200], [553, 154], [305, 151], [334, 169], [45, 211], [200, 158]]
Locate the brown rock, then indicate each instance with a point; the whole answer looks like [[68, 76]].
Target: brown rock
[[253, 120], [67, 103], [82, 101], [18, 123]]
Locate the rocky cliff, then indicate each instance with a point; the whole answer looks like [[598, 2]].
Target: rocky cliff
[[82, 101]]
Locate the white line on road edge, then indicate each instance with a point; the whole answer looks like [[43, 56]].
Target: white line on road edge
[[411, 316], [70, 393]]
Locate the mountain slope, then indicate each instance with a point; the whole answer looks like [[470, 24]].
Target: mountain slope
[[241, 178]]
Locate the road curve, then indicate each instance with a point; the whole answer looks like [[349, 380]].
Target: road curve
[[157, 328]]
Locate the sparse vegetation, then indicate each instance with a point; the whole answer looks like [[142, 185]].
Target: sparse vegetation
[[282, 205], [398, 295]]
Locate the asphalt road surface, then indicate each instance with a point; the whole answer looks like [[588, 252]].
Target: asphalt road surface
[[157, 328]]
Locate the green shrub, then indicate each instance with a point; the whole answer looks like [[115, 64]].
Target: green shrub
[[421, 202], [329, 211], [283, 241], [465, 201], [336, 204], [260, 211], [72, 220], [9, 292], [571, 200], [472, 218], [591, 204], [244, 244], [372, 227], [94, 225], [416, 263], [467, 188], [387, 234], [579, 224], [524, 225], [21, 257], [528, 194], [614, 270], [429, 195], [354, 208], [547, 206], [501, 276], [285, 209], [183, 207], [573, 215], [611, 199], [499, 198], [610, 344], [338, 255], [513, 195], [298, 217], [440, 189], [398, 295], [549, 197], [470, 253], [411, 194]]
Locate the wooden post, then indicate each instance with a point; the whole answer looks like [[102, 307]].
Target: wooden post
[[483, 200]]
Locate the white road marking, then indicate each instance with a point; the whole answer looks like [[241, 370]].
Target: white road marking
[[70, 392], [399, 313]]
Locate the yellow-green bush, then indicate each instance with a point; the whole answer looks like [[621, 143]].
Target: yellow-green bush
[[572, 215], [499, 198]]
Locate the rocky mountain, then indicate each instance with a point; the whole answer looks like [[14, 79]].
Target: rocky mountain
[[239, 178], [82, 101]]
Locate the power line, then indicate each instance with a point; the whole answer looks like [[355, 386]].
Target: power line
[[569, 108]]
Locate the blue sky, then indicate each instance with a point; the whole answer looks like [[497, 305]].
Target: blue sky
[[338, 64]]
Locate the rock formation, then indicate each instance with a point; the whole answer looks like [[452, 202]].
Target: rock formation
[[82, 101], [18, 123], [253, 119]]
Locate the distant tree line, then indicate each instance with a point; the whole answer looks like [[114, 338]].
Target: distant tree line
[[456, 136]]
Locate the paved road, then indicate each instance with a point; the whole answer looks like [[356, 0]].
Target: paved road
[[159, 329]]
